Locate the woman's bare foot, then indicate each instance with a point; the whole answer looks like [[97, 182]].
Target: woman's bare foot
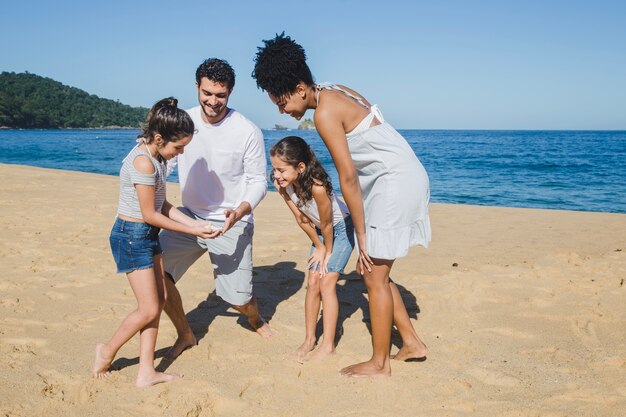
[[367, 370], [155, 378], [102, 362], [182, 344], [302, 351], [319, 354], [416, 352]]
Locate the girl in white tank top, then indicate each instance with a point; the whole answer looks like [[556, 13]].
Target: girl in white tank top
[[306, 188]]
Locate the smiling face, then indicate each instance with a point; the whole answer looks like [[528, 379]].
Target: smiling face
[[213, 98], [171, 148], [284, 173], [293, 104]]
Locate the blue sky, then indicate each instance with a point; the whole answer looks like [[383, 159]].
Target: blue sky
[[429, 65]]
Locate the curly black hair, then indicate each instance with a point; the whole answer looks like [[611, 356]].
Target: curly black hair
[[216, 70], [293, 150], [280, 65]]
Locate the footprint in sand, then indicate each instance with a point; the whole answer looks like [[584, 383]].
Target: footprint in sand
[[56, 296], [17, 351], [17, 305], [507, 332], [494, 378], [586, 331]]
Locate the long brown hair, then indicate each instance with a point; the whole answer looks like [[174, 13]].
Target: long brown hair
[[293, 150], [166, 119]]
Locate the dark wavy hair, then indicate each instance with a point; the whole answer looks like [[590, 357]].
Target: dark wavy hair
[[216, 70], [166, 119], [280, 65], [293, 150]]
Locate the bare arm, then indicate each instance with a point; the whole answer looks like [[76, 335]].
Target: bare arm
[[146, 197], [330, 128], [325, 208], [317, 258], [173, 213]]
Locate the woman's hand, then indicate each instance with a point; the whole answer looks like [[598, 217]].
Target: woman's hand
[[318, 260], [364, 261]]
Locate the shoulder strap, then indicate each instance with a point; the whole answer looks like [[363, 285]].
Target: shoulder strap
[[330, 86]]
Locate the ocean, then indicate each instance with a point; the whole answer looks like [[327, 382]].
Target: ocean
[[566, 170]]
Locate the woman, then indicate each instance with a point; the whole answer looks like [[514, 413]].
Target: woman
[[383, 183]]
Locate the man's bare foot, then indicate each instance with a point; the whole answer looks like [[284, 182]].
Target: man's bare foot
[[304, 348], [155, 378], [182, 344], [319, 354], [367, 370], [102, 362], [417, 352], [262, 328]]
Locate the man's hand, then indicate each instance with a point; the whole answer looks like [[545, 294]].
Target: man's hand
[[233, 216]]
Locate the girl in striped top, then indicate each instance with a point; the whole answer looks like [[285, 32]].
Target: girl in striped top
[[143, 210]]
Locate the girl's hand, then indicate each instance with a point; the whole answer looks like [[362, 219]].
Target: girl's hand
[[326, 260], [316, 260], [206, 231], [202, 223], [281, 190]]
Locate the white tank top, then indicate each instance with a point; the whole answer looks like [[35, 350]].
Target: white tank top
[[309, 209]]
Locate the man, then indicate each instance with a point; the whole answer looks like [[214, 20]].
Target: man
[[222, 179]]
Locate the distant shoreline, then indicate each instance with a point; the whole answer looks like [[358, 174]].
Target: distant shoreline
[[71, 128], [301, 130]]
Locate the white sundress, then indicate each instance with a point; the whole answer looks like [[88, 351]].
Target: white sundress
[[394, 184]]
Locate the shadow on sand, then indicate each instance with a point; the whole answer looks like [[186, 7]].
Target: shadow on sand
[[273, 284], [352, 297]]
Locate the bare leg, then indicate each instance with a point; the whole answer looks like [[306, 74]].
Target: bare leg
[[147, 285], [329, 317], [147, 375], [412, 345], [311, 313], [251, 311], [174, 310], [143, 285], [381, 314]]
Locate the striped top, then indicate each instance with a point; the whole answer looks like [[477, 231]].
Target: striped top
[[129, 176]]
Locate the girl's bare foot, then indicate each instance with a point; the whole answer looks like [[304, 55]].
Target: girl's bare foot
[[182, 344], [367, 370], [155, 378], [417, 352], [102, 362], [319, 354], [302, 351]]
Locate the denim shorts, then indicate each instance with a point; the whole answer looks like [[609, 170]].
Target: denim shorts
[[134, 245], [343, 244]]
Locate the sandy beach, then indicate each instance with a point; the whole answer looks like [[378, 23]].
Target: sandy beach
[[523, 310]]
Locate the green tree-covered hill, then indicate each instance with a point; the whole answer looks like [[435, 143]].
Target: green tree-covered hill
[[29, 101]]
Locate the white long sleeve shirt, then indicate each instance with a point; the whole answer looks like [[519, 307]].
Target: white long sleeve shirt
[[222, 166]]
